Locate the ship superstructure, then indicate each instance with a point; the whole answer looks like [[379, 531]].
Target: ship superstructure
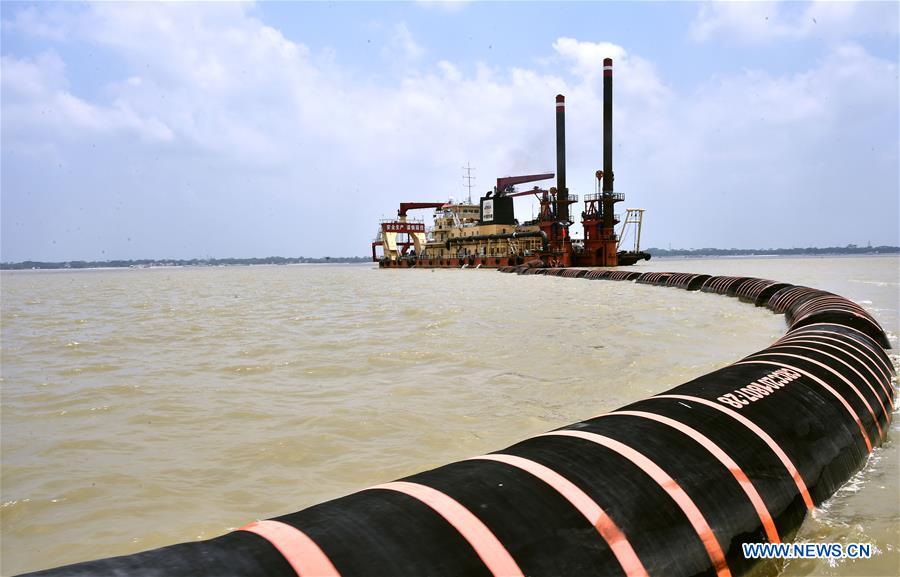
[[489, 235]]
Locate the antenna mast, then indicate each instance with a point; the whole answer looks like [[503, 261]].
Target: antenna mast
[[468, 178]]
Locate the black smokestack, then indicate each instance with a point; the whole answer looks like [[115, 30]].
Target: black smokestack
[[562, 193], [607, 126], [608, 202]]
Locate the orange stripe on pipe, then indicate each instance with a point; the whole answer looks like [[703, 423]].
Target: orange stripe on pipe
[[870, 343], [301, 552], [764, 516], [828, 304], [800, 339], [867, 340], [669, 485], [847, 310], [494, 555], [870, 348], [827, 387], [867, 352], [596, 516], [768, 440]]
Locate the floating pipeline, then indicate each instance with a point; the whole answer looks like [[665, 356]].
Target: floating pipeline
[[669, 485]]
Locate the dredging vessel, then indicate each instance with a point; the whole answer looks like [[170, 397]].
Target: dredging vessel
[[488, 234]]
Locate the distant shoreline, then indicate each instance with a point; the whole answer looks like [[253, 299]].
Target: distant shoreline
[[851, 250], [769, 256], [160, 263]]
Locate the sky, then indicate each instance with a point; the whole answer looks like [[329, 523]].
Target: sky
[[195, 130]]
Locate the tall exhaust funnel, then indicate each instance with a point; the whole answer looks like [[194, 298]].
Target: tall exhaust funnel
[[607, 126], [562, 193], [608, 176]]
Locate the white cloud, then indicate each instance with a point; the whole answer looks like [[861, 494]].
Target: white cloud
[[403, 46], [47, 23], [635, 76], [746, 20], [36, 97], [761, 159], [587, 57], [32, 77], [448, 6], [770, 21], [450, 71]]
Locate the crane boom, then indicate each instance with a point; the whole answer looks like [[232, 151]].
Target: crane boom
[[505, 182], [407, 206], [534, 190]]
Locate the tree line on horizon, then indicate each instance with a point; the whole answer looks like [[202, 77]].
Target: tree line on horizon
[[828, 250], [142, 263], [658, 252]]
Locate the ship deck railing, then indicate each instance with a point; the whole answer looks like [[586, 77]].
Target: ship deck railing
[[615, 196]]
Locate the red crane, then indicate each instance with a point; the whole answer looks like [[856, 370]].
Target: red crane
[[505, 184], [407, 206]]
